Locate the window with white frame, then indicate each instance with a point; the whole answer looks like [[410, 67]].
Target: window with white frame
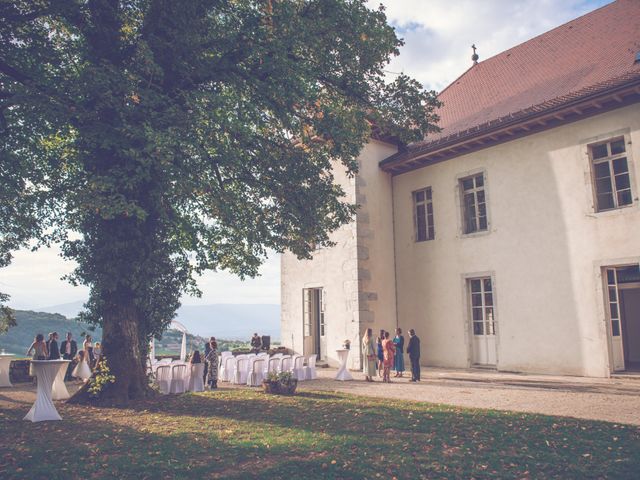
[[474, 206], [611, 180], [482, 314], [423, 215]]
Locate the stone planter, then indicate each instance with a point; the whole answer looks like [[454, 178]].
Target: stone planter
[[278, 388]]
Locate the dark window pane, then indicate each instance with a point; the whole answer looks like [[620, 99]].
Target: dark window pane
[[617, 146], [476, 299], [475, 285], [611, 277], [479, 181], [612, 294], [483, 223], [615, 328], [469, 201], [622, 181], [430, 208], [603, 185], [432, 232], [482, 209], [477, 328], [613, 307], [428, 191], [470, 226], [467, 184], [599, 151], [488, 299], [624, 197], [605, 201], [419, 196], [477, 314], [602, 170], [421, 224], [480, 196], [487, 284], [620, 166]]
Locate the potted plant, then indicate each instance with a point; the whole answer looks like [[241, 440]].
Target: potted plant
[[280, 383]]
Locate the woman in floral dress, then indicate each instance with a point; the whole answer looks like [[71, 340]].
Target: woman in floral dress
[[388, 350], [212, 359]]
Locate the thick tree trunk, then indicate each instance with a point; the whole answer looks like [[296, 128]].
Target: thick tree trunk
[[121, 348]]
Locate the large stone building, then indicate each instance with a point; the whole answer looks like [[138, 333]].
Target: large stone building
[[510, 240]]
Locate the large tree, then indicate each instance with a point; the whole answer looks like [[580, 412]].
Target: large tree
[[156, 139]]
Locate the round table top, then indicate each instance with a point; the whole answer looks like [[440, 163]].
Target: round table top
[[343, 350], [7, 355]]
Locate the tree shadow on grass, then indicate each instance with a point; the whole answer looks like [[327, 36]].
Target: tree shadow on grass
[[241, 434]]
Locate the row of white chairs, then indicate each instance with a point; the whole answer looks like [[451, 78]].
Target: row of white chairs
[[252, 369], [180, 378]]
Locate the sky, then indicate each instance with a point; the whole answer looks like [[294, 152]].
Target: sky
[[438, 35]]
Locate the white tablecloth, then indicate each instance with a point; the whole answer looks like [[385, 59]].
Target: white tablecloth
[[5, 362], [59, 390], [43, 408], [343, 374]]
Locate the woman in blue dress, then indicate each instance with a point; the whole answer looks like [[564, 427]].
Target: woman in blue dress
[[398, 340], [380, 352]]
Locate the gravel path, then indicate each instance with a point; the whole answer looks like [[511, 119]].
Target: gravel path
[[614, 400]]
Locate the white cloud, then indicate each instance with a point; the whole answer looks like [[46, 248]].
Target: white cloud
[[438, 34]]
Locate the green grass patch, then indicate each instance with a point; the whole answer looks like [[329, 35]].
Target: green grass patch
[[242, 434]]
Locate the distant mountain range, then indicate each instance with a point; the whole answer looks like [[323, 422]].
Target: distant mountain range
[[228, 321]]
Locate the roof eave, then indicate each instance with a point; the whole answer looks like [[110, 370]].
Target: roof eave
[[514, 126]]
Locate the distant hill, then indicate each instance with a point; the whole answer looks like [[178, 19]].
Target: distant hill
[[229, 321], [18, 338]]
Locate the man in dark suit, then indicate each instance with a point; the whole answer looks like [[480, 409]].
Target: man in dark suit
[[414, 355], [256, 343], [52, 346], [69, 349]]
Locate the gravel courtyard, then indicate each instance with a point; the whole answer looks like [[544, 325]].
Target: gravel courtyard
[[612, 399]]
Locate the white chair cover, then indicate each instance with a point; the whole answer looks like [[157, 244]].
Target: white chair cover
[[298, 368], [196, 379], [221, 358], [286, 362], [163, 378], [178, 379], [228, 367], [255, 377], [272, 365], [310, 369], [240, 371], [278, 355]]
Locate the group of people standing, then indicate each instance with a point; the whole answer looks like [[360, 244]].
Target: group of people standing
[[383, 354], [82, 362]]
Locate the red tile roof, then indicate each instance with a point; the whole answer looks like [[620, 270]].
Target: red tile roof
[[588, 54]]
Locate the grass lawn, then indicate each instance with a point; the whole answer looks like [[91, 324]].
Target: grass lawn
[[242, 434]]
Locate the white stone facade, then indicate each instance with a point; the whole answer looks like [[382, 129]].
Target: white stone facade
[[544, 250]]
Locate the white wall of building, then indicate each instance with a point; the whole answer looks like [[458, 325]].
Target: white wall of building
[[545, 247], [356, 275]]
